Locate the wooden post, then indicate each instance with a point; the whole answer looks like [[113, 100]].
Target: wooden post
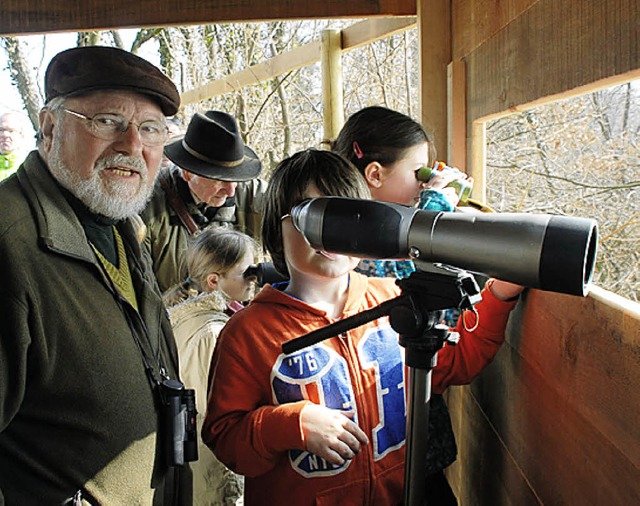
[[457, 115], [478, 143], [332, 91], [434, 34]]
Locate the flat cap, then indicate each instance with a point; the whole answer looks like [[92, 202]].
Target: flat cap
[[93, 68]]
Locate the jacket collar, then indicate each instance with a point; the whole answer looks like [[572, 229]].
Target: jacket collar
[[59, 228], [210, 303], [355, 297]]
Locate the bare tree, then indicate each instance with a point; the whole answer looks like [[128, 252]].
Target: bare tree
[[22, 77], [577, 157]]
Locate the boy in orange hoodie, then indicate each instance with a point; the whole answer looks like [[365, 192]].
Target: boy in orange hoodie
[[325, 425]]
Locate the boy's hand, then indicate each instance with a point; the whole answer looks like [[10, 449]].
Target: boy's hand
[[504, 290], [331, 434]]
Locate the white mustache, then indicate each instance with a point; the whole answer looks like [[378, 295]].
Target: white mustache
[[119, 160]]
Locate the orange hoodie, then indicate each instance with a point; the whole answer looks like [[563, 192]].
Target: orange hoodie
[[257, 393]]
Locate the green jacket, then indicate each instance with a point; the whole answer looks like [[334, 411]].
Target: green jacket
[[77, 410], [167, 238], [8, 164]]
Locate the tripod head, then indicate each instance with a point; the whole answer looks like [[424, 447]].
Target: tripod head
[[426, 293], [430, 290]]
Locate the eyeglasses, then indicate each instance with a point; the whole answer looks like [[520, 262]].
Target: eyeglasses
[[111, 127]]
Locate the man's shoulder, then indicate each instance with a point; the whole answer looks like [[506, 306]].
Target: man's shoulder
[[165, 180], [250, 195], [33, 202], [158, 203], [15, 208], [254, 187]]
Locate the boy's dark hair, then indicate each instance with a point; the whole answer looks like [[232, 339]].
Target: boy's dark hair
[[330, 173], [378, 134]]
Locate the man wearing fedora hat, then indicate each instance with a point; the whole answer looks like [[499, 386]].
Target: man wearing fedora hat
[[214, 183], [87, 355]]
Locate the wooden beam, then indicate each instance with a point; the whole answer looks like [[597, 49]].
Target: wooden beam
[[332, 95], [477, 146], [371, 30], [278, 65], [20, 17], [353, 36]]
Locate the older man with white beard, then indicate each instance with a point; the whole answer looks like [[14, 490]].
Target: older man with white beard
[[87, 359]]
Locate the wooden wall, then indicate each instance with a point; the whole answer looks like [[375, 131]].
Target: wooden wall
[[555, 419], [549, 49]]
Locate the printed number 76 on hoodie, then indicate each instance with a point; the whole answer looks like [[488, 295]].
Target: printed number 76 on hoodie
[[320, 374]]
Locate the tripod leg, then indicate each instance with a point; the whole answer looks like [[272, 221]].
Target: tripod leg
[[418, 395]]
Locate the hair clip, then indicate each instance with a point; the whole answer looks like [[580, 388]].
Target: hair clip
[[357, 150]]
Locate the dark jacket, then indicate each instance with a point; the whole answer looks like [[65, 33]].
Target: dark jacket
[[167, 238], [78, 414]]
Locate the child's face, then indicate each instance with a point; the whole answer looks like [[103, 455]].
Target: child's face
[[303, 261], [234, 284], [398, 181]]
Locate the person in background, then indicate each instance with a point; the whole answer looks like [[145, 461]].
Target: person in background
[[214, 183], [327, 424], [217, 260], [85, 344], [388, 147], [13, 132]]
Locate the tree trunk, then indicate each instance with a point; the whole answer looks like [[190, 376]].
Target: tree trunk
[[23, 78]]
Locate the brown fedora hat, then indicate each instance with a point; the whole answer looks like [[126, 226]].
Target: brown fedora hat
[[213, 148]]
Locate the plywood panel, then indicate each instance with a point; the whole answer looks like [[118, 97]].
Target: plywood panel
[[486, 472], [551, 49], [35, 16], [475, 21], [555, 417]]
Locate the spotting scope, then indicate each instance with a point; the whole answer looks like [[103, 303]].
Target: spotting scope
[[547, 252]]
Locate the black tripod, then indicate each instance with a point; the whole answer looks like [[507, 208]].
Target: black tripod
[[416, 315]]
